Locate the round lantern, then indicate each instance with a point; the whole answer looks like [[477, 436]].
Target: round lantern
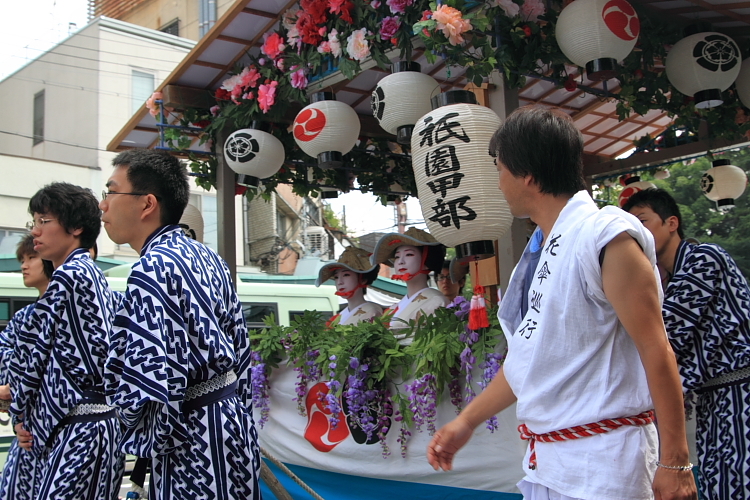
[[723, 184], [633, 184], [456, 178], [254, 154], [402, 98], [743, 83], [661, 174], [326, 129], [596, 34], [191, 223], [702, 65]]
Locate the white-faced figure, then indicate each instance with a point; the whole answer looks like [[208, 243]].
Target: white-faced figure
[[413, 256], [351, 275]]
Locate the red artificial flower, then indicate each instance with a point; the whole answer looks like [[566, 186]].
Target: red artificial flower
[[526, 30], [570, 84], [308, 30], [273, 45], [239, 190], [316, 9], [202, 123], [394, 41], [221, 94], [426, 15], [425, 32], [638, 74], [341, 7]]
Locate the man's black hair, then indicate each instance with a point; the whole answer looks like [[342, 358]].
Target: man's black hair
[[25, 247], [435, 257], [74, 207], [160, 174], [661, 202], [545, 144], [48, 268]]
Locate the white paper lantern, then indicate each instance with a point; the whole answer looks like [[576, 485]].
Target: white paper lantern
[[661, 174], [632, 186], [456, 178], [723, 184], [255, 153], [596, 34], [326, 129], [402, 98], [743, 83], [191, 223], [702, 66]]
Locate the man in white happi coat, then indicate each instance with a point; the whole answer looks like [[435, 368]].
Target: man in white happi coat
[[588, 360]]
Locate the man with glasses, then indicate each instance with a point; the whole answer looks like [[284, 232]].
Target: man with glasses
[[178, 370], [57, 366]]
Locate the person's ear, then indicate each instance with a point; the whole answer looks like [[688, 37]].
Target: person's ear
[[672, 223], [151, 206]]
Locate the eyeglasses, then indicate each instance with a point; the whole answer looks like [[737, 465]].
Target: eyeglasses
[[37, 223], [441, 277], [106, 193]]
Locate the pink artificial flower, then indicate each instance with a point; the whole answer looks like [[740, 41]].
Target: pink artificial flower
[[375, 4], [153, 108], [389, 26], [299, 80], [230, 83], [398, 6], [450, 21], [280, 64], [334, 43], [248, 95], [509, 7], [214, 110], [324, 47], [357, 46], [532, 9], [249, 77], [267, 96], [273, 45]]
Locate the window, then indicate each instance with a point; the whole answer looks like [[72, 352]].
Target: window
[[141, 89], [298, 314], [38, 117], [206, 16], [10, 306], [9, 239], [255, 312], [172, 27]]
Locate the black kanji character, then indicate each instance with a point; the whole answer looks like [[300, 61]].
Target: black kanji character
[[445, 213], [543, 273], [443, 184], [441, 160], [552, 245], [528, 328], [536, 300]]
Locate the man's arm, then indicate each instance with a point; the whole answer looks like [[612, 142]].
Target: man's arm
[[452, 436], [630, 286]]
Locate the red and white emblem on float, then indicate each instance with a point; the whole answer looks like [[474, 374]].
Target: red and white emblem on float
[[318, 431], [621, 19], [308, 124], [633, 184]]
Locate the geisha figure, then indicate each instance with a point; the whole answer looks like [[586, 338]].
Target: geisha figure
[[351, 274], [413, 256]]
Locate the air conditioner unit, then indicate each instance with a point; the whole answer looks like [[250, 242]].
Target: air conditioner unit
[[316, 240]]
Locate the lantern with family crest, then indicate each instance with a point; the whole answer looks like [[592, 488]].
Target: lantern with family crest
[[326, 129], [254, 153], [723, 183], [457, 181]]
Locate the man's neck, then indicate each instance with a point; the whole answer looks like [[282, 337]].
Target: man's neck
[[146, 230], [547, 210], [665, 259]]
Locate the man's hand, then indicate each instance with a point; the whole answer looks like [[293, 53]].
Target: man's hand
[[446, 442], [5, 392], [23, 436], [674, 485]]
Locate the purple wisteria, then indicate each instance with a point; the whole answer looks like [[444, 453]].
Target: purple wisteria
[[306, 373], [259, 383], [422, 402], [358, 399], [490, 366], [330, 400]]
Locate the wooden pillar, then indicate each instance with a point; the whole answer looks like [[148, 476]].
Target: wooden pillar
[[225, 216]]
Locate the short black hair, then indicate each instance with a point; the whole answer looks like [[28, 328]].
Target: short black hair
[[435, 257], [545, 144], [48, 268], [661, 202], [25, 247], [160, 174], [73, 206]]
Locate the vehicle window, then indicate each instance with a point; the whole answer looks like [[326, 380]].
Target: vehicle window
[[255, 312], [294, 314], [10, 306]]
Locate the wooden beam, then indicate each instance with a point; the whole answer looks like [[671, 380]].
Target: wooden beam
[[261, 13], [206, 64], [234, 39]]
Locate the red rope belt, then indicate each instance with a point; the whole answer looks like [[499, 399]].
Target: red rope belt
[[581, 431]]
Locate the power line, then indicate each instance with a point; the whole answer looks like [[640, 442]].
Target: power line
[[53, 141]]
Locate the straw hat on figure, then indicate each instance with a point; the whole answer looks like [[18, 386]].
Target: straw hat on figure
[[351, 274], [413, 256]]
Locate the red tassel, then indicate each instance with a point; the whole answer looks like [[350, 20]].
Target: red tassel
[[478, 310]]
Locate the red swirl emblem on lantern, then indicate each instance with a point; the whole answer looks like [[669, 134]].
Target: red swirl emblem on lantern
[[621, 19], [319, 432], [308, 124]]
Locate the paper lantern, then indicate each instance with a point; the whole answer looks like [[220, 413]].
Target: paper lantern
[[596, 34], [723, 184], [633, 184], [456, 178], [191, 223], [742, 83], [326, 129], [702, 65], [253, 154], [661, 174], [402, 98]]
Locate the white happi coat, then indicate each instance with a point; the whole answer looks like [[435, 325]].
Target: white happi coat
[[570, 361]]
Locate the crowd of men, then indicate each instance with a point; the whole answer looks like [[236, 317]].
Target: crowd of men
[[162, 372]]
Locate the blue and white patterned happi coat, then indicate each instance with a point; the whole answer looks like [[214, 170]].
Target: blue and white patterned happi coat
[[19, 471], [59, 354], [181, 323], [707, 315]]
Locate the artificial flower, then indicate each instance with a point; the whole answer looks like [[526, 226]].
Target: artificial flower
[[249, 77], [267, 96], [316, 9], [214, 110], [450, 21], [308, 30], [357, 46], [509, 7], [202, 123], [426, 15], [230, 83], [273, 45], [398, 6], [221, 94], [299, 80], [375, 4], [334, 43], [343, 8], [153, 108], [532, 9], [324, 47], [248, 95], [279, 64], [389, 26], [570, 84], [289, 19], [526, 30]]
